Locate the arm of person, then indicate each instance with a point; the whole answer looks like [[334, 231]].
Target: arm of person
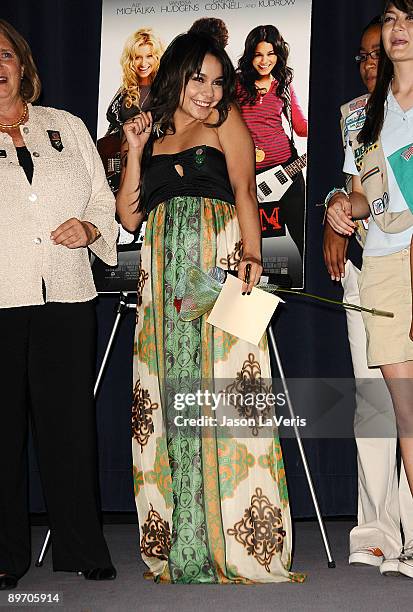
[[343, 208], [97, 228], [238, 148], [335, 252], [300, 123], [136, 133], [335, 247], [359, 205], [335, 244]]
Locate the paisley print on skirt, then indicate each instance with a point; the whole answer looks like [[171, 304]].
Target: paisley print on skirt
[[211, 510]]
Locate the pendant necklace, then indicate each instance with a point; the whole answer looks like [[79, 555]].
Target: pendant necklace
[[260, 153], [262, 91], [145, 98]]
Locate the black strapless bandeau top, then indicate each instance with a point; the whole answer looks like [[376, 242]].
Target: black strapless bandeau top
[[204, 174]]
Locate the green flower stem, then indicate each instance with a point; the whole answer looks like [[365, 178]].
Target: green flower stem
[[373, 311]]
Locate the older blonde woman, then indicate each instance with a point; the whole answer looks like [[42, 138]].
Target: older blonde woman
[[55, 204]]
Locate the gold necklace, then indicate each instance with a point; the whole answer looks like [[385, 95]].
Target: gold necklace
[[11, 126]]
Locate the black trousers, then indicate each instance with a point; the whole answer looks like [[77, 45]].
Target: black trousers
[[292, 210], [47, 370]]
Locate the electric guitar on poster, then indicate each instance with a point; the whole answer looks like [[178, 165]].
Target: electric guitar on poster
[[273, 183], [109, 151]]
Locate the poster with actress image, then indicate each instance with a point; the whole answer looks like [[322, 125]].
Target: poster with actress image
[[268, 42]]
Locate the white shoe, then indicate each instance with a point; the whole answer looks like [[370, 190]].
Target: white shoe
[[390, 567], [406, 563], [371, 555]]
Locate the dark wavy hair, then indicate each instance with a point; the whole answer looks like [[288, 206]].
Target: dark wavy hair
[[246, 73], [373, 124], [182, 59]]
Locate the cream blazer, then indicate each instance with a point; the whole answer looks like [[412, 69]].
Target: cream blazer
[[68, 181]]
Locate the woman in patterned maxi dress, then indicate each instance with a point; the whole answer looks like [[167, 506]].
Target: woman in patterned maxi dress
[[212, 509]]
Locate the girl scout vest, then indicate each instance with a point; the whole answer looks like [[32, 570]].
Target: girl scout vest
[[371, 166]]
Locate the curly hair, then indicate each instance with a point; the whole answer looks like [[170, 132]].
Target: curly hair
[[130, 80], [30, 85], [213, 26], [373, 123], [247, 74], [181, 60]]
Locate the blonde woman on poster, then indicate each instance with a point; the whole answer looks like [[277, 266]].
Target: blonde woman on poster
[[140, 62], [211, 509]]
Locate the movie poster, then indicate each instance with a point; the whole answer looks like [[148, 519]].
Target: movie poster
[[282, 225]]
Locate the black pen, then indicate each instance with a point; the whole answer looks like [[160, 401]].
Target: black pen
[[247, 276], [247, 273]]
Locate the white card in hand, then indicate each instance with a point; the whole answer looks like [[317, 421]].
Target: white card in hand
[[244, 316]]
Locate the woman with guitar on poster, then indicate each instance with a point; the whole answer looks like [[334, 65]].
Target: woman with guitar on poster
[[264, 94], [140, 62]]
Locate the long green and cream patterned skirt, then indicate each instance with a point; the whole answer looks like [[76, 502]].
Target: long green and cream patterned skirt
[[212, 508]]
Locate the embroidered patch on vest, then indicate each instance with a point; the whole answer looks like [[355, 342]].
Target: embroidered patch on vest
[[55, 140], [355, 120], [407, 154], [380, 205], [3, 153], [356, 104], [361, 152]]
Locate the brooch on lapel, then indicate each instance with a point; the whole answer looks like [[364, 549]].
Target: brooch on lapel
[[55, 140], [200, 156]]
